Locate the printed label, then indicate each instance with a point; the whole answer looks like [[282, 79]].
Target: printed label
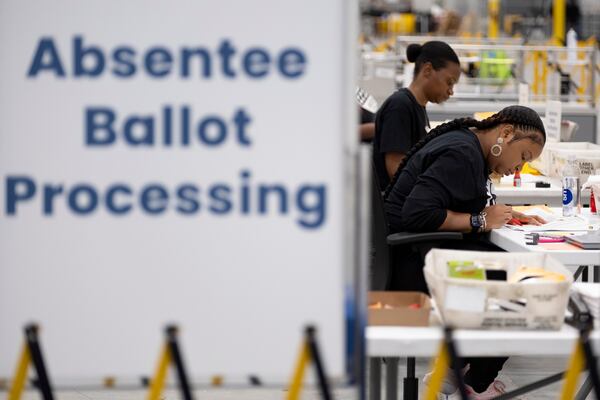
[[567, 197]]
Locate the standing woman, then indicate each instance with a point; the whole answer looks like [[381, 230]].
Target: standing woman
[[441, 186], [401, 120]]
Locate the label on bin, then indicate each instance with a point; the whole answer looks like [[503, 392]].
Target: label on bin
[[465, 298]]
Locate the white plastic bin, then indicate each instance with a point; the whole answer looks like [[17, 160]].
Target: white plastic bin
[[588, 161], [464, 303], [555, 154]]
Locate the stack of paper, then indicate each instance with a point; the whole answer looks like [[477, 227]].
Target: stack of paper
[[554, 222], [562, 224], [590, 293], [588, 241]]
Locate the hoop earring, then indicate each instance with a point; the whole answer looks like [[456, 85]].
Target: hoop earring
[[496, 149]]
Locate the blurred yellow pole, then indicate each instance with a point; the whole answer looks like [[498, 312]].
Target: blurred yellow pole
[[544, 77], [576, 365], [157, 383], [536, 73], [20, 374], [296, 384], [559, 20], [493, 18], [440, 369]]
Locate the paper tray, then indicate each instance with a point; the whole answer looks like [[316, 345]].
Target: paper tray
[[463, 303]]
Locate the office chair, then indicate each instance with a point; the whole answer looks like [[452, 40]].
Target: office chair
[[385, 257]]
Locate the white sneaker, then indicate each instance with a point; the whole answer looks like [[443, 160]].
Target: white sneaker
[[448, 384], [495, 389]]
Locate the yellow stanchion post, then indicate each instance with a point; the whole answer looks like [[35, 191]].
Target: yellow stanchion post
[[157, 383], [576, 365], [544, 77], [582, 357], [559, 8], [18, 384], [440, 368], [31, 355], [298, 377], [493, 18], [447, 356], [309, 352], [170, 355]]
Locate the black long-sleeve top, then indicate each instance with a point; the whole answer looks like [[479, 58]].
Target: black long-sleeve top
[[448, 173]]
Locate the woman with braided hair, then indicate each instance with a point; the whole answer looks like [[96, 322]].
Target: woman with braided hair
[[441, 185]]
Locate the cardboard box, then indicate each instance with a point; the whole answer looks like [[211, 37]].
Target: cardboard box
[[401, 314]]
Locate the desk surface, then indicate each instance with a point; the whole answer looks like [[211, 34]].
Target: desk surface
[[514, 241]]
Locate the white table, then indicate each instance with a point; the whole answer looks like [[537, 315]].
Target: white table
[[385, 341], [514, 241], [393, 342]]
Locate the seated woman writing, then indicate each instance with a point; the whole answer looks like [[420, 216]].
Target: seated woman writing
[[442, 185]]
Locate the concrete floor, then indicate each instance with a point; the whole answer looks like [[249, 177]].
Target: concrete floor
[[518, 370]]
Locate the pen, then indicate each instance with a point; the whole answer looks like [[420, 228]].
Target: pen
[[517, 221]]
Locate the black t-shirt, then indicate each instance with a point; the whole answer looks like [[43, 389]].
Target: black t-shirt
[[399, 124], [366, 116], [448, 173]]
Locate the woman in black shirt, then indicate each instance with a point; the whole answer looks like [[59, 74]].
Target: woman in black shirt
[[441, 186], [401, 120], [442, 181]]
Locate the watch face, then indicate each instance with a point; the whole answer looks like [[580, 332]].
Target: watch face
[[475, 222]]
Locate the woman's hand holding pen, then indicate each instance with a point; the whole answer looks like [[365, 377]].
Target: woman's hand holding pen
[[528, 219], [497, 216]]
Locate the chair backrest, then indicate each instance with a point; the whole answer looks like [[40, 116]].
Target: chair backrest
[[380, 251], [393, 251]]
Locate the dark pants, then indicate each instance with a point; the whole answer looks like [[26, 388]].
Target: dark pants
[[483, 371], [408, 276], [409, 260]]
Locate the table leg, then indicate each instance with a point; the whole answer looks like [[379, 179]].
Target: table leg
[[579, 271], [375, 378], [391, 378], [411, 383], [584, 274], [596, 273]]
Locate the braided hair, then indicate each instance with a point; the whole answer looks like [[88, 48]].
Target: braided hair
[[521, 117]]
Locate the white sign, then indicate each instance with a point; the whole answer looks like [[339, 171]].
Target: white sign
[[465, 298], [553, 120], [387, 73], [523, 94], [407, 75], [168, 162]]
